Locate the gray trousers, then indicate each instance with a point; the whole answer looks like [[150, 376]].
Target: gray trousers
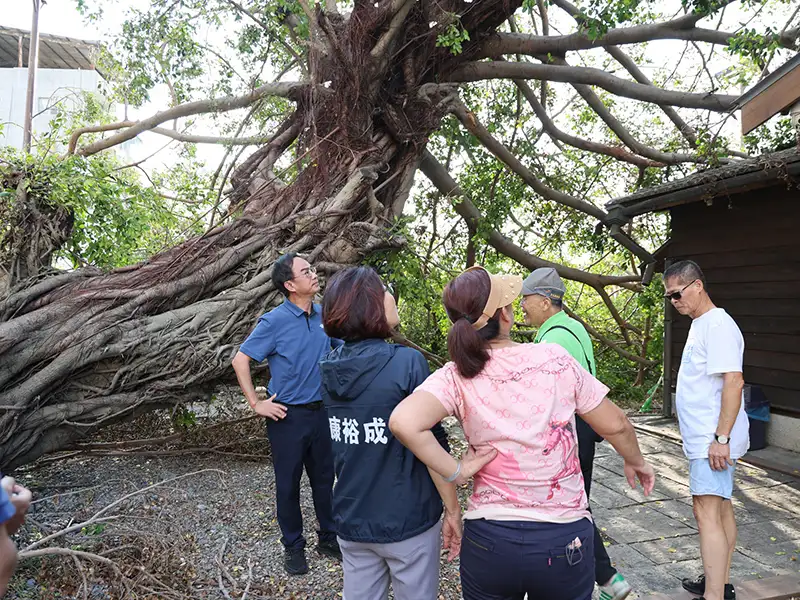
[[411, 565]]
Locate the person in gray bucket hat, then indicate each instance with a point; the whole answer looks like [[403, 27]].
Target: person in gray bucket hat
[[543, 304]]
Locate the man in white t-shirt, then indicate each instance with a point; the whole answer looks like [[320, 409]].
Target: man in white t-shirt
[[712, 420]]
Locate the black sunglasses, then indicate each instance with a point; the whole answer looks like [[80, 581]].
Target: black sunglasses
[[677, 295]]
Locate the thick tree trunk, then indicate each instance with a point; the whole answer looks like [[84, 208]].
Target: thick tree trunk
[[83, 349]]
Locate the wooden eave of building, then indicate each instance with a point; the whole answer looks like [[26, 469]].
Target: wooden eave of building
[[733, 178], [55, 51], [776, 93]]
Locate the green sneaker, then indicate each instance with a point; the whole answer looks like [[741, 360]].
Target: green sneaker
[[616, 589]]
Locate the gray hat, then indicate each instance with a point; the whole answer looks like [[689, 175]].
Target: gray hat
[[544, 282]]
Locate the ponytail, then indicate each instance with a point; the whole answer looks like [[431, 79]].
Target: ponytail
[[467, 348], [465, 299]]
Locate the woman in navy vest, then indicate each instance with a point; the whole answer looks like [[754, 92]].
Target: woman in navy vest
[[386, 506]]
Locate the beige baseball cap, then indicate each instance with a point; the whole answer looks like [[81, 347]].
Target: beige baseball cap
[[504, 290]]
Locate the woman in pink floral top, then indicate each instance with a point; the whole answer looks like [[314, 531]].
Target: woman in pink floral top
[[528, 528]]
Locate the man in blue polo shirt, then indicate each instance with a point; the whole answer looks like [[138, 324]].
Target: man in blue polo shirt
[[14, 503], [292, 340]]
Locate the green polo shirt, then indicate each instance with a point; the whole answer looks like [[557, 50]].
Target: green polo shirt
[[578, 345]]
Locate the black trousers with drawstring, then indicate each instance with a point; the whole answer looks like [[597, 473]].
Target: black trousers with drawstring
[[587, 438]]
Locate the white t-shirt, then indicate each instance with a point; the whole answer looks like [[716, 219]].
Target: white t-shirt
[[714, 346]]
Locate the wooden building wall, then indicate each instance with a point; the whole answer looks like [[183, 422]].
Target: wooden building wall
[[748, 246]]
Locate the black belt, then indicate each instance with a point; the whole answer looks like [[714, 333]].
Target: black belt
[[307, 406]]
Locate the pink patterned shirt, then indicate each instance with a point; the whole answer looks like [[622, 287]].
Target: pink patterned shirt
[[523, 404]]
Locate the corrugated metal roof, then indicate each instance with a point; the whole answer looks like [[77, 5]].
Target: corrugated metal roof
[[55, 51]]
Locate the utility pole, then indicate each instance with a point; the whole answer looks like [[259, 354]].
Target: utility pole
[[33, 60]]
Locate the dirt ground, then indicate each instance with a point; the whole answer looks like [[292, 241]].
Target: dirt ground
[[211, 533]]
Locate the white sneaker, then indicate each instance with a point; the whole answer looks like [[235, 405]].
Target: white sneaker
[[616, 589]]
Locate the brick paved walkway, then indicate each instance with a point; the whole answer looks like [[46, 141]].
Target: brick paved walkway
[[654, 542]]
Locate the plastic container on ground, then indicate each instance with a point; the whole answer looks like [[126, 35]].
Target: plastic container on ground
[[756, 405]]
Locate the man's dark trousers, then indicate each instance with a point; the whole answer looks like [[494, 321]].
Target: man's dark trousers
[[302, 438], [587, 438]]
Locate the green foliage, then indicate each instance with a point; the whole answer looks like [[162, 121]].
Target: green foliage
[[177, 44], [453, 38], [183, 418], [94, 529], [771, 137], [117, 220], [168, 43], [283, 8], [711, 147], [598, 16], [754, 45], [619, 373], [156, 46]]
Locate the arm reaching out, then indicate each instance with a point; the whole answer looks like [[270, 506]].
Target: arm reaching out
[[608, 420]]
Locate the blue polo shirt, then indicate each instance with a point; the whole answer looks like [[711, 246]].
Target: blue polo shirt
[[292, 342], [7, 509]]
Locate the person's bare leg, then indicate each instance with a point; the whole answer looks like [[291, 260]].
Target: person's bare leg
[[8, 559], [729, 524], [713, 544]]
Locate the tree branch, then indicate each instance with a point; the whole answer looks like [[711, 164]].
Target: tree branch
[[590, 146], [210, 139], [270, 33], [228, 150], [643, 352], [94, 518], [682, 28], [380, 51], [441, 179], [610, 343], [434, 358], [623, 324], [469, 121], [73, 139], [643, 362], [170, 133], [631, 67], [546, 32], [309, 13], [284, 90], [25, 554], [478, 71], [599, 107], [226, 63], [145, 159]]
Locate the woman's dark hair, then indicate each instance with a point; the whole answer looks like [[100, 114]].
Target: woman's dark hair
[[352, 307], [282, 272], [464, 300]]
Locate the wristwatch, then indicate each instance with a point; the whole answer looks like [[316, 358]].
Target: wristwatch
[[722, 439]]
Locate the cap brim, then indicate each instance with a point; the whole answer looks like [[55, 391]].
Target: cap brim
[[509, 286], [503, 291]]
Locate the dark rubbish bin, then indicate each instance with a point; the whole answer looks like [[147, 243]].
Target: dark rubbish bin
[[756, 406]]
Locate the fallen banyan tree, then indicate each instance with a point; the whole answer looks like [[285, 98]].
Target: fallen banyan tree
[[85, 348]]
